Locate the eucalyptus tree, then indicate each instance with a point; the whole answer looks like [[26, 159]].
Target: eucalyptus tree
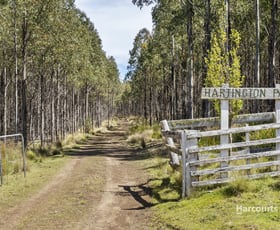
[[257, 62], [53, 67], [181, 28], [136, 71], [272, 43], [113, 84]]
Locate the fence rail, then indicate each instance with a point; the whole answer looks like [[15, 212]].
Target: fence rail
[[206, 165]]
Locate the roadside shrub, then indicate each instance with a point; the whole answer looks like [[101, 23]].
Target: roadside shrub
[[143, 143], [238, 186], [141, 138], [276, 186], [58, 145], [56, 152], [31, 155], [73, 139], [235, 189], [156, 132], [133, 139], [16, 168], [43, 151]]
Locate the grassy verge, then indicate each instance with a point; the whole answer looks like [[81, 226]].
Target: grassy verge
[[41, 163], [16, 187], [71, 204], [239, 205]]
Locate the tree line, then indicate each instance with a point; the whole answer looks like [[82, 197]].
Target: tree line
[[197, 43], [55, 78]]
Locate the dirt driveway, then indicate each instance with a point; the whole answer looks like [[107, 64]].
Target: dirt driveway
[[102, 187]]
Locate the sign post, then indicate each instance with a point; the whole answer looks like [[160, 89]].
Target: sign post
[[277, 120], [224, 139]]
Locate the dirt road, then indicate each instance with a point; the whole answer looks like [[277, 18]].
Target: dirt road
[[102, 187]]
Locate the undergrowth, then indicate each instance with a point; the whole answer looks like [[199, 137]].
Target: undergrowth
[[12, 160], [142, 134]]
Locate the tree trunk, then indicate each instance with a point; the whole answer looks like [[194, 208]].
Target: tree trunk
[[73, 111], [24, 78], [151, 99], [86, 107], [257, 63], [5, 100], [42, 110], [272, 45], [190, 67], [145, 99], [98, 110], [16, 64], [52, 109], [58, 120], [207, 46], [173, 77], [64, 126], [108, 108]]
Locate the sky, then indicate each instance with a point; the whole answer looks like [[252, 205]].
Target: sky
[[117, 22]]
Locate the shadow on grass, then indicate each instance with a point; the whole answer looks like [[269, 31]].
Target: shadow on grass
[[169, 187], [275, 186], [138, 192]]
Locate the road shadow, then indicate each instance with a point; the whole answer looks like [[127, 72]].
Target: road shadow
[[111, 144], [138, 192], [114, 145]]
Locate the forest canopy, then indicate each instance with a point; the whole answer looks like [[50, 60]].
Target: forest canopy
[[198, 43], [55, 77]]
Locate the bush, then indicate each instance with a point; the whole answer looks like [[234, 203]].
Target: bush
[[58, 145], [43, 151], [142, 134], [156, 132], [56, 152], [143, 143], [141, 138], [31, 155], [239, 186], [16, 168]]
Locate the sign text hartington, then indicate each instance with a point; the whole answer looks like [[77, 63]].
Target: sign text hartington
[[240, 93]]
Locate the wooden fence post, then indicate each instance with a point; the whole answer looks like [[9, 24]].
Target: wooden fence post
[[277, 120], [186, 159], [247, 138], [1, 171], [184, 162], [224, 139], [191, 157], [174, 157]]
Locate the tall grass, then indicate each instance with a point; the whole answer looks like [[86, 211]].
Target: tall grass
[[11, 155], [142, 134]]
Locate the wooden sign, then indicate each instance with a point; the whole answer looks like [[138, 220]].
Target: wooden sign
[[240, 93]]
